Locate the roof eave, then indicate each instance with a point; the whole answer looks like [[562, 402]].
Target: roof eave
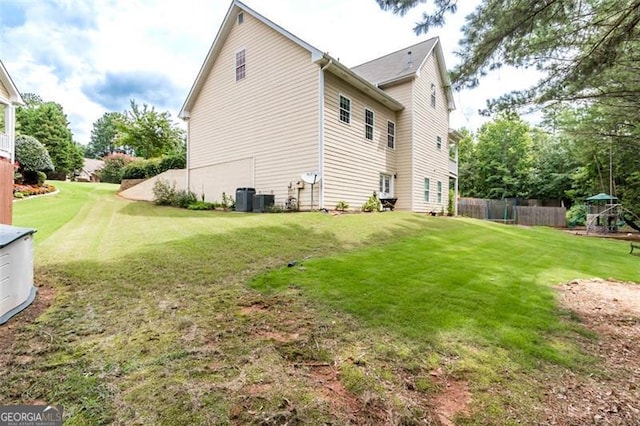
[[7, 82], [397, 80], [225, 28], [360, 83]]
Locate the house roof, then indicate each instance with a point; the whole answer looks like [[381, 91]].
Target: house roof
[[317, 56], [7, 82], [91, 165], [405, 64]]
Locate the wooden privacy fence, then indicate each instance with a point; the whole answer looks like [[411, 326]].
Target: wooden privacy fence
[[507, 212], [545, 216], [6, 192]]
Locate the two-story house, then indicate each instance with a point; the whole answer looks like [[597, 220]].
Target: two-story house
[[267, 107]]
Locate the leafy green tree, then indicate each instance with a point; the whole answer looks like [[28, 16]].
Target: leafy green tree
[[503, 159], [105, 136], [466, 164], [578, 45], [47, 122], [150, 133], [32, 157], [553, 168], [114, 166]]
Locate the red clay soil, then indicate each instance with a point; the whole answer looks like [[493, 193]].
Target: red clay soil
[[611, 396]]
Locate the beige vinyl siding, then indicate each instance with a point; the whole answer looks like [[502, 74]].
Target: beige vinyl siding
[[403, 93], [270, 116], [430, 162], [352, 163], [4, 93]]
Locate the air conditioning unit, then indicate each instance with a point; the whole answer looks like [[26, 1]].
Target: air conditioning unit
[[263, 202], [16, 270]]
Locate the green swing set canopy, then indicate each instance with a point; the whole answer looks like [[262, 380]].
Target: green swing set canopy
[[602, 197]]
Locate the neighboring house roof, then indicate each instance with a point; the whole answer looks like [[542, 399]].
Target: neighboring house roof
[[7, 82], [404, 65], [91, 166], [317, 56]]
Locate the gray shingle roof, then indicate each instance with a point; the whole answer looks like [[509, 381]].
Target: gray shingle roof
[[397, 64]]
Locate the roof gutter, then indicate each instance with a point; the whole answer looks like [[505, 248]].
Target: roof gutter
[[361, 83]]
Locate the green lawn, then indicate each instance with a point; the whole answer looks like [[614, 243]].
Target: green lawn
[[171, 316]]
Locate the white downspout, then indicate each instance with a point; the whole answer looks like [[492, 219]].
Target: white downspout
[[187, 119], [321, 132]]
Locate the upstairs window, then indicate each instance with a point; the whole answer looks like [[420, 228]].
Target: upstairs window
[[368, 124], [433, 95], [345, 109], [438, 142], [391, 134], [240, 65], [240, 18]]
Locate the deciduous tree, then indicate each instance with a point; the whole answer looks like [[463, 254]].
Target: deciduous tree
[[150, 133]]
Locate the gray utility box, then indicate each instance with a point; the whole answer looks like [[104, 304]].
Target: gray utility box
[[244, 199], [263, 202], [16, 270]]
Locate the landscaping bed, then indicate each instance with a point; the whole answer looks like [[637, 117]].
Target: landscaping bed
[[23, 191]]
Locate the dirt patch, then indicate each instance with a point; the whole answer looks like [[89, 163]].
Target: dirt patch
[[612, 395], [453, 399], [44, 299]]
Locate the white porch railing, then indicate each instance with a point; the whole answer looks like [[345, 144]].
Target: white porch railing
[[453, 167], [6, 146]]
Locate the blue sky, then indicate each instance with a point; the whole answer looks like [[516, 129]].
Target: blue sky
[[93, 56]]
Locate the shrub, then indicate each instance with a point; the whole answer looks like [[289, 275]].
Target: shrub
[[342, 206], [183, 198], [175, 161], [228, 203], [451, 208], [32, 156], [163, 192], [41, 177], [372, 204], [113, 169], [577, 215], [201, 205], [134, 170], [152, 167]]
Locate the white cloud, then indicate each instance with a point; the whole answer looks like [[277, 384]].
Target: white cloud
[[64, 49]]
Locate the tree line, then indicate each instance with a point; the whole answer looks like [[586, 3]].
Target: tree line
[[560, 159], [44, 141], [588, 53]]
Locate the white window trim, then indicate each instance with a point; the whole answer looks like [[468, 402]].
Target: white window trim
[[373, 124], [395, 132], [439, 143], [433, 95], [340, 95], [439, 192], [426, 189], [236, 67], [391, 186]]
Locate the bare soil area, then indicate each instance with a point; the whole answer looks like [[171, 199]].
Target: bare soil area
[[611, 396]]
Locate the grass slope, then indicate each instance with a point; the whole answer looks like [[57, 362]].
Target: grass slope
[[153, 321]]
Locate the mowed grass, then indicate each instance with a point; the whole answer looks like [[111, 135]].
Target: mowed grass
[[154, 322], [478, 282]]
